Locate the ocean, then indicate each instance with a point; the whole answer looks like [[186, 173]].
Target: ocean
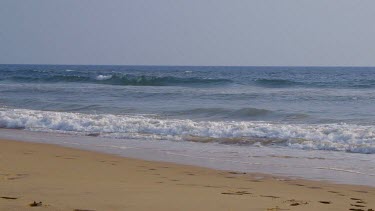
[[292, 121]]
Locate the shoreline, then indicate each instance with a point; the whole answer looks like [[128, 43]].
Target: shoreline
[[64, 178], [328, 166]]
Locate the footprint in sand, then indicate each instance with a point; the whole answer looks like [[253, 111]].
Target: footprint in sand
[[236, 193], [358, 201], [267, 196], [315, 187], [276, 209], [189, 173], [357, 205], [8, 197], [16, 176], [331, 191], [36, 204], [294, 202], [233, 172], [325, 202], [212, 186]]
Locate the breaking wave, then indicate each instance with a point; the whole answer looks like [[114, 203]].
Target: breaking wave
[[103, 77], [337, 137]]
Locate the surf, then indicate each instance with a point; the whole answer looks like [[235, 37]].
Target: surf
[[332, 137]]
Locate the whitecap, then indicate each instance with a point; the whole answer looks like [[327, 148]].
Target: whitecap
[[103, 77], [336, 137]]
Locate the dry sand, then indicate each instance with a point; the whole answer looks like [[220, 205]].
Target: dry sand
[[70, 179]]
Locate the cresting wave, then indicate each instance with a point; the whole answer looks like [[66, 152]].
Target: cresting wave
[[338, 137], [118, 79], [184, 78]]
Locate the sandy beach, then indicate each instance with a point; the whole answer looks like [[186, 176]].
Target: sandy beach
[[187, 105], [70, 179]]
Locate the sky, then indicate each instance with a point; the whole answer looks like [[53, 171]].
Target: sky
[[188, 32]]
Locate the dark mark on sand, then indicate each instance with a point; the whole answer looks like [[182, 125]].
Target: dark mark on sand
[[8, 197], [325, 202], [36, 204]]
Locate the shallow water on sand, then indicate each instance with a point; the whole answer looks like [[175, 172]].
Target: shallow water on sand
[[336, 167]]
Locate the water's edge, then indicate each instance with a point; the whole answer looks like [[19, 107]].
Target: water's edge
[[264, 160]]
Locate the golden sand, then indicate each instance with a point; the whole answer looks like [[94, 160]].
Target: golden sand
[[59, 178]]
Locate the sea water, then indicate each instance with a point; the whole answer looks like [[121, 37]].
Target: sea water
[[293, 121]]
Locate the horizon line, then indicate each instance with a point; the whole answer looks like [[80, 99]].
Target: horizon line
[[170, 65]]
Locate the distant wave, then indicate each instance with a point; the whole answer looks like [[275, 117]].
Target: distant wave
[[283, 83], [181, 78], [121, 79], [50, 79], [103, 77], [277, 83], [337, 137]]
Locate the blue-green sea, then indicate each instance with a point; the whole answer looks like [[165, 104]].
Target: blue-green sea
[[205, 112]]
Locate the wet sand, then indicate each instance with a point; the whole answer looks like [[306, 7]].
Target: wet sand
[[59, 178]]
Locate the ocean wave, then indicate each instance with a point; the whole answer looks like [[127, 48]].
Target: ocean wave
[[337, 137], [120, 79], [144, 80], [103, 77], [286, 83], [49, 79], [277, 83]]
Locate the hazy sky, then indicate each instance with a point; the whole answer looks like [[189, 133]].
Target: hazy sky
[[188, 32]]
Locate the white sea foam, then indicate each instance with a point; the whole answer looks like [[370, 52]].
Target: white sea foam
[[338, 137], [103, 77]]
